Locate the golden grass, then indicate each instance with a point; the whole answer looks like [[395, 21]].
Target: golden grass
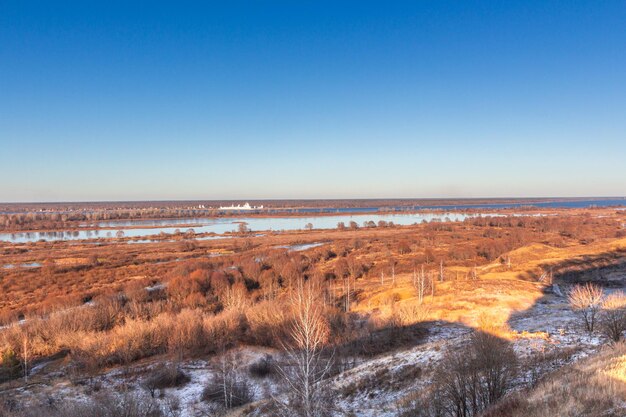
[[532, 260], [591, 388], [483, 304], [498, 289], [616, 368], [486, 303]]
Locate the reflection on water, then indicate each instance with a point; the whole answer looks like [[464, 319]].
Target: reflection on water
[[225, 225], [172, 240], [24, 265], [300, 247]]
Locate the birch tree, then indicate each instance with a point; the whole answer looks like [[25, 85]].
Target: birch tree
[[306, 365], [227, 388], [420, 283]]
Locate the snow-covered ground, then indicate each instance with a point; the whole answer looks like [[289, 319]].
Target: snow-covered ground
[[549, 333], [373, 388]]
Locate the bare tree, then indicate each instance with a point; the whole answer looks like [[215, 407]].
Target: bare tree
[[547, 277], [227, 388], [472, 378], [307, 366], [392, 266], [235, 296], [441, 274], [164, 376], [355, 269], [342, 272], [420, 283], [431, 281], [25, 357], [613, 316], [309, 226], [243, 228], [474, 273], [586, 300]]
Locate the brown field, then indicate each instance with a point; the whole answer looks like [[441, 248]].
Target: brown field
[[94, 307], [73, 272]]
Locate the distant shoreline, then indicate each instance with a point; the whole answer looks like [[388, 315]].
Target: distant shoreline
[[294, 204]]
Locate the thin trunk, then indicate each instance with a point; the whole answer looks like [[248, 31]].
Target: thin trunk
[[441, 271], [25, 360], [432, 285], [348, 296]]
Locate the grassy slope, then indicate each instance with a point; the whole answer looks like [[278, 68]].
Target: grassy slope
[[593, 387], [499, 292]]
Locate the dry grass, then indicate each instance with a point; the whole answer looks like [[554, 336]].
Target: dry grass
[[593, 387], [489, 302], [481, 304], [74, 270], [208, 304]]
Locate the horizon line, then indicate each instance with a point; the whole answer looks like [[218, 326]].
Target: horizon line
[[617, 197]]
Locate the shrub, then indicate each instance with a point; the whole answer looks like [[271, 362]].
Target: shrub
[[410, 313], [227, 388], [613, 316], [10, 366], [263, 367], [222, 331], [187, 331], [105, 405], [269, 324], [470, 380], [165, 376], [236, 393], [586, 300]]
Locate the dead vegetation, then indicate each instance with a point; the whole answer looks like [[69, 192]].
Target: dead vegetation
[[594, 387], [366, 292], [470, 379]]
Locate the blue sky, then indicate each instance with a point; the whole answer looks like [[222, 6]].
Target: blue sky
[[182, 100]]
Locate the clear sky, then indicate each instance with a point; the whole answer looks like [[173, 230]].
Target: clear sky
[[132, 100]]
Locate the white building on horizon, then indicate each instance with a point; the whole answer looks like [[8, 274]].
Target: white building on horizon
[[246, 206]]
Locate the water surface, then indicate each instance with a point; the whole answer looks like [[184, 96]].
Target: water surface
[[224, 225], [24, 265]]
